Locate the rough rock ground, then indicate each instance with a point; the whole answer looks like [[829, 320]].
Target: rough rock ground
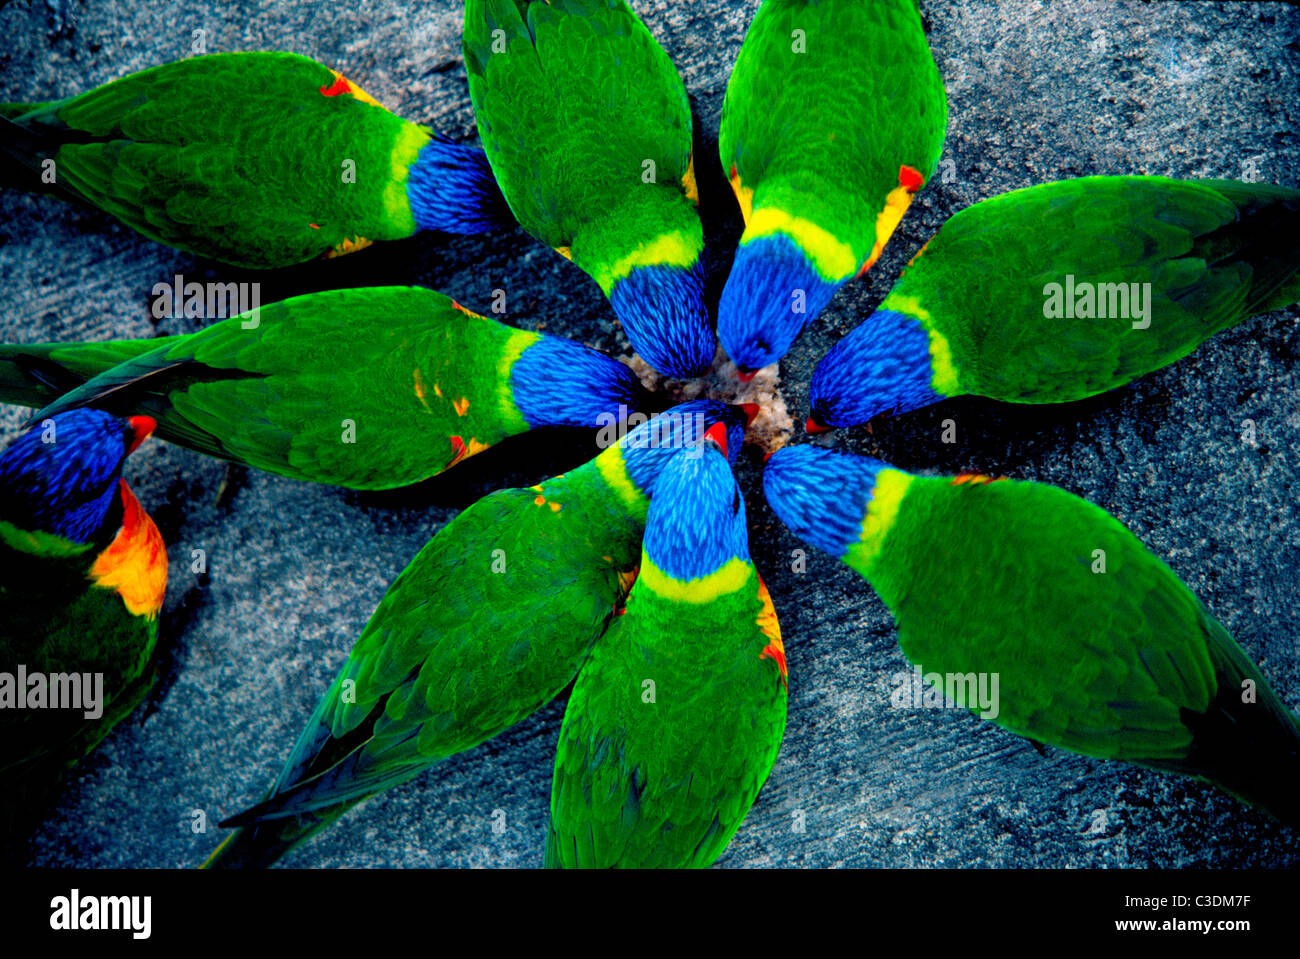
[[1038, 91]]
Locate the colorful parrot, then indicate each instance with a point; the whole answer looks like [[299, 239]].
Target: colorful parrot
[[367, 388], [587, 127], [834, 117], [259, 160], [1065, 290], [1096, 645], [488, 623], [677, 716], [82, 575]]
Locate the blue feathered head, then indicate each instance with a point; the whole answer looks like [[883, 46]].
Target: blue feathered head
[[663, 313], [883, 366], [647, 449], [556, 382], [822, 495], [696, 523], [451, 188], [772, 292], [62, 475]]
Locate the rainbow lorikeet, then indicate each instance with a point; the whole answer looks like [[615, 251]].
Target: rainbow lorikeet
[[256, 159], [834, 117], [1095, 644], [588, 129], [1065, 290], [82, 575], [367, 388], [489, 622], [677, 716]]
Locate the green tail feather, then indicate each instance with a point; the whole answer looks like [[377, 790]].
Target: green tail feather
[[1263, 771], [1266, 236], [11, 111], [1259, 777], [20, 160], [26, 141], [37, 374], [1285, 295], [262, 844], [1250, 749]]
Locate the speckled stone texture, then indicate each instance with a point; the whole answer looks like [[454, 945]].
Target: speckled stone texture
[[1038, 91]]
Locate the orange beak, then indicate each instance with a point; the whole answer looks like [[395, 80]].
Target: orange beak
[[142, 426], [813, 427], [717, 433], [751, 412]]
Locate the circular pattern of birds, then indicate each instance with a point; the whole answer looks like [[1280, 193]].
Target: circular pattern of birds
[[627, 578]]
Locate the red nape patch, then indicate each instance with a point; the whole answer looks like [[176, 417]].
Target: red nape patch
[[910, 179], [339, 87]]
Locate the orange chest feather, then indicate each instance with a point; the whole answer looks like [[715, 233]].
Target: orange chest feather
[[135, 563]]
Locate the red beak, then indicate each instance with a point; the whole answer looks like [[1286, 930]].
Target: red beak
[[813, 427], [142, 426], [718, 434], [745, 375], [751, 411]]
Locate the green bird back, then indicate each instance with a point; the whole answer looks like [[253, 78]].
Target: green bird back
[[1213, 252], [827, 100], [487, 624], [588, 130], [367, 388], [1106, 654], [834, 117], [256, 159], [676, 719], [1094, 643], [573, 98]]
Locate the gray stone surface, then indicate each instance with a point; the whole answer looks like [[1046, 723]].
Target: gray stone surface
[[1038, 91]]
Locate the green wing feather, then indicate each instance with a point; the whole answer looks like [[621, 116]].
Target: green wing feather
[[236, 156], [827, 100], [1213, 252], [667, 783], [1121, 664], [573, 100], [488, 623], [360, 388]]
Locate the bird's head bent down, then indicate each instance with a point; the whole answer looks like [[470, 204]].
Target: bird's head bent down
[[663, 312], [696, 524], [773, 291], [883, 366], [62, 475], [821, 494]]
